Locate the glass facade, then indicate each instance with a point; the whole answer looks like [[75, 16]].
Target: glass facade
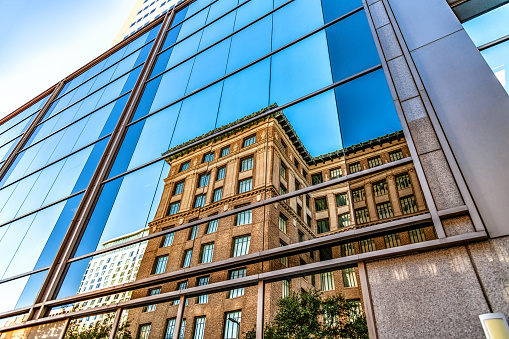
[[222, 109]]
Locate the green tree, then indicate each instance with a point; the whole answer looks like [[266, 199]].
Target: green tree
[[100, 329], [307, 315]]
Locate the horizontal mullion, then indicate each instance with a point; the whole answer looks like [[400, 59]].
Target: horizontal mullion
[[292, 272], [262, 203], [75, 121], [493, 43], [86, 96], [203, 27], [315, 31], [104, 70], [19, 122], [179, 7], [21, 275], [248, 121], [55, 161]]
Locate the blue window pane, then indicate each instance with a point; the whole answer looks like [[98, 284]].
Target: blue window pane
[[366, 99], [351, 46], [333, 9], [90, 166], [146, 140], [219, 8], [148, 96], [244, 93], [20, 292], [489, 26], [196, 6], [251, 11], [162, 61], [171, 37], [320, 135], [300, 69], [497, 58], [193, 23], [179, 16], [126, 205], [295, 20], [250, 44], [217, 30], [6, 149], [184, 49], [197, 115]]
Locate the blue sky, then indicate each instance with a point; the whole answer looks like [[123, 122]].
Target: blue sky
[[41, 42]]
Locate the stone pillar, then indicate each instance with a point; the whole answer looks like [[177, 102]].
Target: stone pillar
[[370, 202], [393, 196]]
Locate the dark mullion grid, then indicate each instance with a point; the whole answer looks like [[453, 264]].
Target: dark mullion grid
[[77, 226], [89, 94], [203, 27], [272, 276], [28, 117], [248, 65], [28, 132], [104, 70], [177, 8]]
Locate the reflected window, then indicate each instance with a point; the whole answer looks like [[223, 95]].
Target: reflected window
[[225, 151], [297, 185], [316, 178], [341, 199], [286, 289], [380, 188], [396, 155], [168, 239], [193, 232], [283, 146], [327, 281], [402, 181], [199, 327], [349, 278], [186, 262], [232, 324], [208, 157], [174, 208], [249, 141], [335, 173], [354, 168], [153, 291], [296, 163], [299, 210], [284, 260], [322, 226], [283, 221], [347, 249], [246, 164], [160, 265], [408, 204], [200, 200], [243, 218], [304, 174], [384, 210], [367, 245], [221, 173], [179, 188], [212, 226], [361, 215], [320, 204], [170, 328], [144, 331], [282, 170], [308, 220], [344, 220], [392, 240], [308, 198], [185, 166], [358, 194], [204, 180], [204, 298], [282, 190], [218, 194], [181, 286], [417, 235], [301, 236], [241, 245], [207, 251], [236, 274], [245, 185], [374, 162]]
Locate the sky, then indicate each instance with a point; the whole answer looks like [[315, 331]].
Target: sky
[[41, 42]]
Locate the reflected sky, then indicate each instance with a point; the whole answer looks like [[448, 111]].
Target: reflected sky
[[489, 26]]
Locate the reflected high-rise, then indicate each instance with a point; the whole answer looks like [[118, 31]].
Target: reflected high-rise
[[374, 167]]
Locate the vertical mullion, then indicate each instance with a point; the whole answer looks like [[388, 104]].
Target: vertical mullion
[[77, 227]]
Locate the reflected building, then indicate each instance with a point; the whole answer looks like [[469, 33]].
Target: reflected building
[[251, 163]]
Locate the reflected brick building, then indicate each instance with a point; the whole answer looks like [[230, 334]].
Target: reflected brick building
[[229, 173]]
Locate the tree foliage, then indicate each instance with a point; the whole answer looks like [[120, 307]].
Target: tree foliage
[[308, 315], [100, 329]]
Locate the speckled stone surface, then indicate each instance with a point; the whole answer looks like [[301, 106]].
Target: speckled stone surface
[[458, 225], [403, 81], [389, 42], [427, 295], [379, 14], [422, 131], [491, 259], [440, 180]]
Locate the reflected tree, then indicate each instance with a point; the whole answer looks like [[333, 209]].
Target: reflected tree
[[309, 315], [100, 329]]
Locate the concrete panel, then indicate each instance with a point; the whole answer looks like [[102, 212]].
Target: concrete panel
[[473, 111], [424, 21], [389, 42], [491, 258], [428, 295], [379, 14]]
